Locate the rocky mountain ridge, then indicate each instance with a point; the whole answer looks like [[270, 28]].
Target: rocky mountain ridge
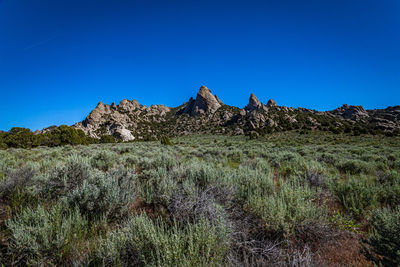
[[129, 120]]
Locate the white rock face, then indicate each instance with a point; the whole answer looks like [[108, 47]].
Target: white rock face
[[124, 134]]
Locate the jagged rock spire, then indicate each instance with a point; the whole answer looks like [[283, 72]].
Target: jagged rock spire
[[254, 103], [204, 103], [100, 105], [271, 103]]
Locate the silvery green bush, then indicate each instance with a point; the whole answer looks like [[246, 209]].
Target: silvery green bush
[[17, 179], [272, 201], [156, 243], [46, 237], [105, 194], [104, 160], [64, 178]]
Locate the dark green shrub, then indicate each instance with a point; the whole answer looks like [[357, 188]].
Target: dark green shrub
[[21, 199], [384, 242], [355, 166], [65, 135], [389, 134], [165, 140], [107, 139], [2, 144], [71, 136], [20, 138], [389, 188], [253, 135], [356, 194]]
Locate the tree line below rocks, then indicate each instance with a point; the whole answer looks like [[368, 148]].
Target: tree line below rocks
[[63, 135]]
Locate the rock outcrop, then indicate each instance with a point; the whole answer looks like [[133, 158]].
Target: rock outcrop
[[129, 105], [46, 130], [122, 121], [387, 120], [253, 104], [130, 120], [271, 103], [124, 134], [205, 103], [351, 112]]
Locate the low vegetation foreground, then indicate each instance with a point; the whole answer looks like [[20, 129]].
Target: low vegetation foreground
[[284, 199]]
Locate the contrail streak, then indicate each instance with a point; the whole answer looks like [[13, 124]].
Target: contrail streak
[[39, 43]]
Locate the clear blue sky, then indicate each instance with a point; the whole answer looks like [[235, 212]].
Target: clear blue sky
[[59, 58]]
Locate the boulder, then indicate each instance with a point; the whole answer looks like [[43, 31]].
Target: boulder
[[123, 134], [270, 123]]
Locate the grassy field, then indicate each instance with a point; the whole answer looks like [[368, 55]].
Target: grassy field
[[287, 199]]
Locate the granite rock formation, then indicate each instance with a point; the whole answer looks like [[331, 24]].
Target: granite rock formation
[[130, 120], [205, 103]]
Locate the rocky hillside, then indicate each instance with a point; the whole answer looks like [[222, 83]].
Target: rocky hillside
[[206, 113]]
